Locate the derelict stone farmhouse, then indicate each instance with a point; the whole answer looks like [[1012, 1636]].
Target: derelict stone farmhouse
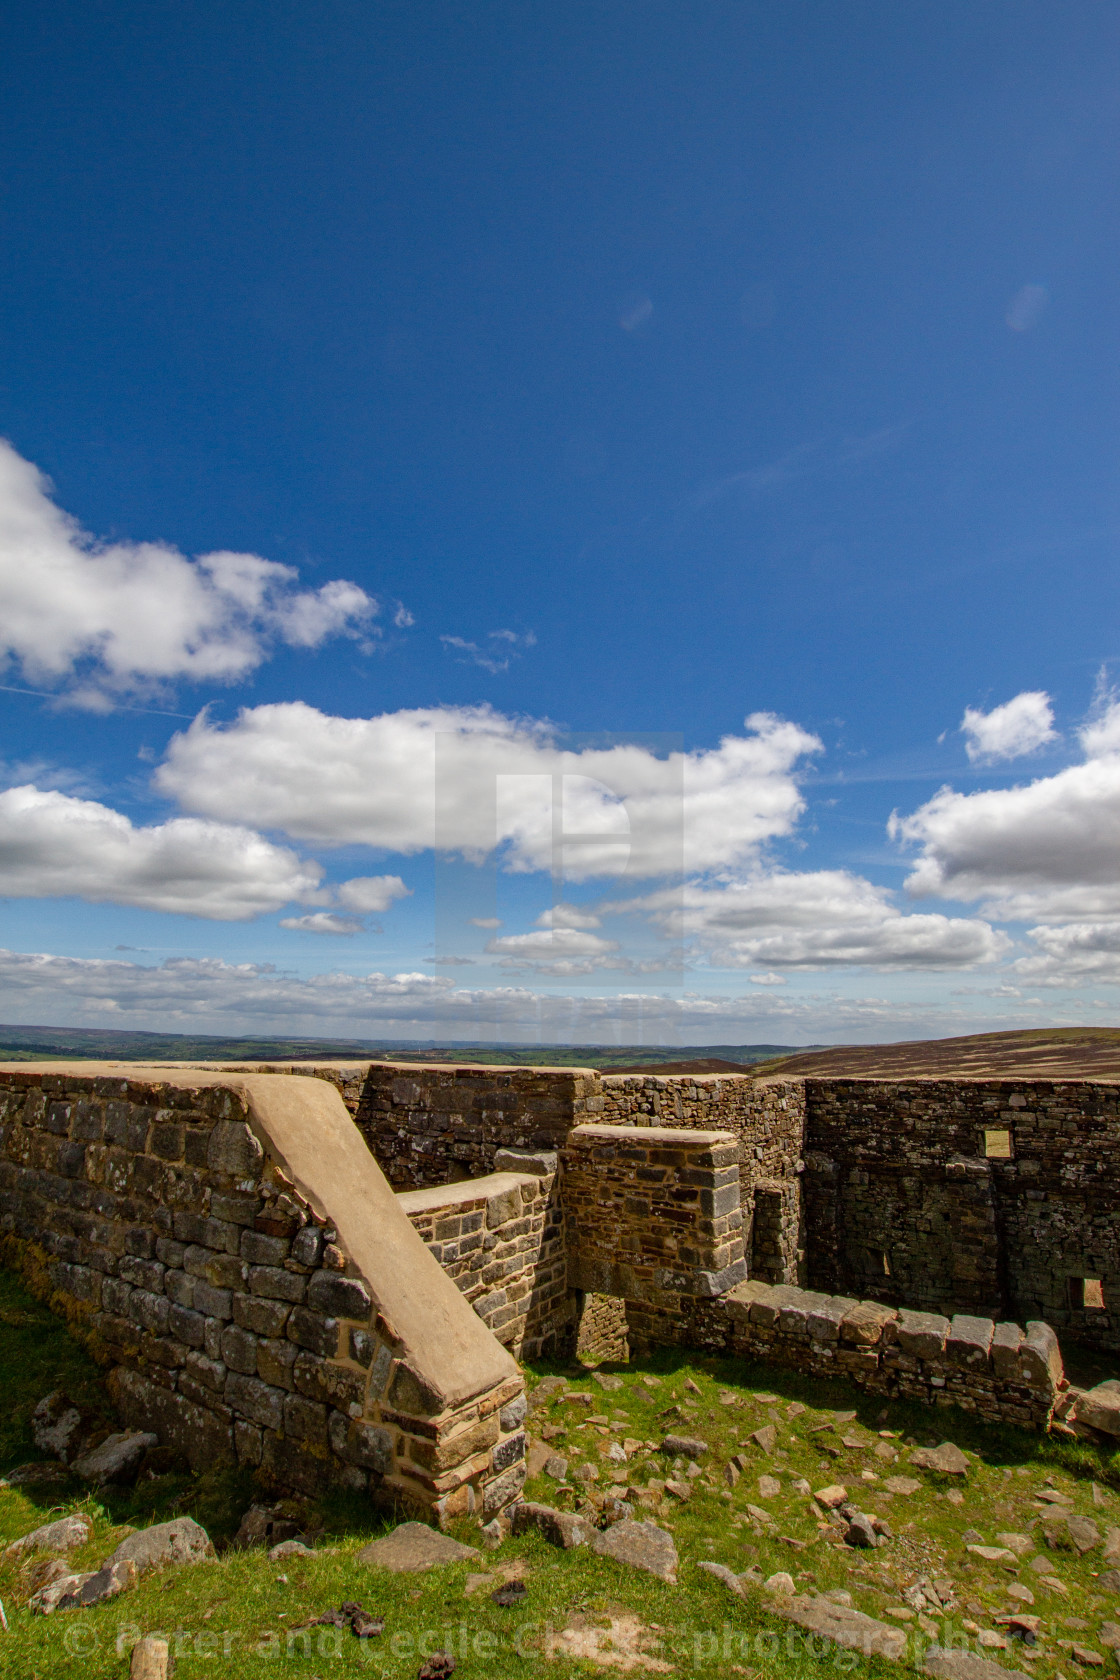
[[330, 1272]]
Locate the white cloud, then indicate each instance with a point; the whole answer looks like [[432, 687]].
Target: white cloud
[[1078, 954], [496, 654], [548, 944], [209, 995], [405, 781], [813, 920], [372, 894], [323, 921], [568, 916], [1044, 851], [109, 617], [1019, 726], [54, 845]]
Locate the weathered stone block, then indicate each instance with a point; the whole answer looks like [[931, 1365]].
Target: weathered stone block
[[922, 1335], [255, 1400], [276, 1284], [311, 1330], [233, 1149], [305, 1420], [257, 1313], [338, 1297], [969, 1341]]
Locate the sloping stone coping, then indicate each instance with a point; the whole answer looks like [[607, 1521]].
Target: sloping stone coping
[[229, 1245]]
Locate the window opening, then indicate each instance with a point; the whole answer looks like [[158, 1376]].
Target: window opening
[[997, 1145], [1087, 1292]]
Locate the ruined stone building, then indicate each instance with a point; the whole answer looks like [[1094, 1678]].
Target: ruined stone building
[[330, 1272]]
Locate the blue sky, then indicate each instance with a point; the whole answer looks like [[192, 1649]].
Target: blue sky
[[603, 376]]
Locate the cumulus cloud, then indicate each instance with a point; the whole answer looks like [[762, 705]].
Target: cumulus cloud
[[108, 617], [547, 944], [55, 845], [814, 920], [372, 894], [1019, 726], [210, 995], [1078, 954], [466, 779], [1046, 850], [568, 916]]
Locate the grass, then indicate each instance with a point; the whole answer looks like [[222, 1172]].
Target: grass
[[232, 1616]]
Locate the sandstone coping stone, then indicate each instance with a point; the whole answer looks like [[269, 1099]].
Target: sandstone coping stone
[[921, 1334], [180, 1541], [823, 1322], [413, 1546], [738, 1301], [969, 1340], [766, 1308], [1040, 1357], [863, 1324], [639, 1545], [793, 1319], [1006, 1342], [539, 1163]]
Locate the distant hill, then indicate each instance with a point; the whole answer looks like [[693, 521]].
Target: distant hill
[[31, 1044], [1035, 1053]]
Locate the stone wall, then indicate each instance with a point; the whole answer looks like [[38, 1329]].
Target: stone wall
[[428, 1125], [434, 1124], [996, 1371], [603, 1331], [905, 1204], [228, 1246], [767, 1116], [652, 1213], [501, 1240]]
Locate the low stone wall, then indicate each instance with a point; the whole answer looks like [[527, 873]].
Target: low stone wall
[[652, 1212], [230, 1248], [501, 1240], [998, 1371]]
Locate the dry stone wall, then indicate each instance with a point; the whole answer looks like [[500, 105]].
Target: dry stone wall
[[501, 1239], [998, 1371], [229, 1248]]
